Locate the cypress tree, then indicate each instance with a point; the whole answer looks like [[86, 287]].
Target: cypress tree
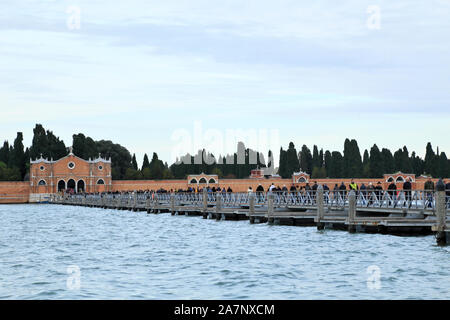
[[4, 153], [145, 162], [442, 169], [376, 162], [282, 166], [17, 158], [430, 160], [417, 164], [328, 162], [337, 165], [134, 162], [315, 158], [292, 162], [306, 160], [352, 159], [388, 161]]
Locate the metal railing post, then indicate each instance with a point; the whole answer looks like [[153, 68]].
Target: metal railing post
[[205, 200], [270, 207], [440, 213], [351, 211], [251, 204], [320, 208]]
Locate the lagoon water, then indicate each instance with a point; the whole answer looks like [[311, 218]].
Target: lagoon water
[[135, 255]]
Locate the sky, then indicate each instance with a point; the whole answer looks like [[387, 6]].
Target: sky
[[172, 76]]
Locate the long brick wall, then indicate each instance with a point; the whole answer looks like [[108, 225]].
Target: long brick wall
[[19, 191], [14, 191]]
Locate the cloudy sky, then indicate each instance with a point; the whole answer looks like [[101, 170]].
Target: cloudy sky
[[157, 75]]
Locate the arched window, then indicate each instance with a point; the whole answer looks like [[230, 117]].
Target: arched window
[[71, 184], [390, 179], [42, 183], [202, 180], [194, 181], [301, 180], [100, 181], [61, 185], [400, 179], [212, 180], [80, 186]]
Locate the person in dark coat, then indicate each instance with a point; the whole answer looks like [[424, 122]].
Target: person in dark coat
[[429, 190], [370, 191], [335, 192], [379, 190], [363, 189], [407, 186], [392, 190], [343, 190]]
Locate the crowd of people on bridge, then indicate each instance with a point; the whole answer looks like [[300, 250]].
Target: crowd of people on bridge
[[372, 191]]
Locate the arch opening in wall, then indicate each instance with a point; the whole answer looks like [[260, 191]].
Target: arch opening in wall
[[212, 180], [80, 186], [61, 185], [100, 181], [400, 179], [390, 179], [301, 180], [202, 181], [71, 184], [193, 181], [42, 183]]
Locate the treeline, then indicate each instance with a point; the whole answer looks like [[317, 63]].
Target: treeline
[[372, 164], [237, 165]]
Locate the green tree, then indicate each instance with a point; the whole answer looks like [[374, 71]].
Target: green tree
[[17, 157], [134, 162], [283, 165], [352, 159], [306, 160], [336, 169], [316, 161], [318, 173], [145, 162], [388, 161], [430, 160], [375, 163], [45, 143], [4, 153], [442, 169], [293, 164], [328, 159]]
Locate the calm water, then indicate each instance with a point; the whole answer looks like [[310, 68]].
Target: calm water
[[133, 255]]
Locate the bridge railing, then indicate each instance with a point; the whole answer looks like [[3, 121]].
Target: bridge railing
[[423, 200]]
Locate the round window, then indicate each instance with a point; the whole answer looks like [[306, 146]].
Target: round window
[[100, 167], [42, 168], [71, 165]]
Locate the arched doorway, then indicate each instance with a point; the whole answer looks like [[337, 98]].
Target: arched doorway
[[71, 184], [80, 186], [61, 185]]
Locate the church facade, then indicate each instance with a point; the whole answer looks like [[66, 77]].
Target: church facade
[[71, 174]]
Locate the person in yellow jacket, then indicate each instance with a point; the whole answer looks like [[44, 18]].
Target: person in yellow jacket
[[353, 186]]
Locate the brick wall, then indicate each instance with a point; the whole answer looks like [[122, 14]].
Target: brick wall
[[14, 191]]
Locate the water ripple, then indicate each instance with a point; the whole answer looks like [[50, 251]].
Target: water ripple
[[133, 255]]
